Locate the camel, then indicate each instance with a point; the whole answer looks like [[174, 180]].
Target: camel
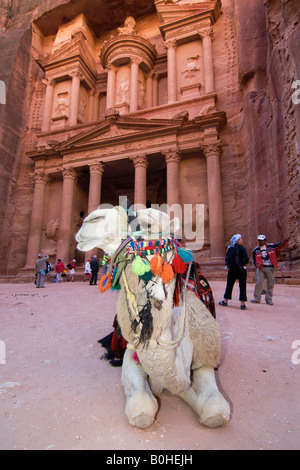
[[174, 348]]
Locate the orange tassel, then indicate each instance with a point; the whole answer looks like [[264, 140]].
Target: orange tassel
[[167, 273], [105, 283], [156, 265], [179, 265]]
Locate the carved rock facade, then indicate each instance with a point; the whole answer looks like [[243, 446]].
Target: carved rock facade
[[177, 102]]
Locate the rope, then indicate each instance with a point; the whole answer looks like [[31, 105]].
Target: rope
[[132, 306]]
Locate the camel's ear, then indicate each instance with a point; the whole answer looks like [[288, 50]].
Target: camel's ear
[[175, 225]]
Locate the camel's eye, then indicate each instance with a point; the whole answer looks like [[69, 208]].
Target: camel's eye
[[95, 220], [145, 226]]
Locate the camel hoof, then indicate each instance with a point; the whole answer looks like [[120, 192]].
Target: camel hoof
[[215, 421], [142, 421]]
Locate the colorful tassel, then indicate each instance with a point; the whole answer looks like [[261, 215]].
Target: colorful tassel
[[116, 286], [167, 273], [185, 255], [140, 266], [156, 264], [179, 265], [105, 283], [147, 276], [135, 357], [177, 292]]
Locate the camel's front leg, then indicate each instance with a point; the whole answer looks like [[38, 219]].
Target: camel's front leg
[[141, 405], [206, 400]]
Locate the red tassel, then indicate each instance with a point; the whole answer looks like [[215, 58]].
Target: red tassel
[[114, 341], [167, 273], [179, 265]]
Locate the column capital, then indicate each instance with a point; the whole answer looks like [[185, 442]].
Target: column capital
[[69, 173], [97, 168], [49, 81], [206, 32], [76, 73], [135, 60], [140, 160], [111, 67], [40, 177], [172, 156], [170, 43], [212, 149]]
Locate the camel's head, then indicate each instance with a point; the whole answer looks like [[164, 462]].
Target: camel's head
[[105, 228], [102, 228], [155, 224]]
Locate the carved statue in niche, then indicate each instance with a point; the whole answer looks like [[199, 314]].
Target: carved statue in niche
[[129, 26], [62, 104], [51, 230], [123, 93], [49, 241], [83, 104], [191, 68]]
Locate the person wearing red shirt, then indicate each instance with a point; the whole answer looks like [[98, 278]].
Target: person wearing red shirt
[[59, 269], [265, 261]]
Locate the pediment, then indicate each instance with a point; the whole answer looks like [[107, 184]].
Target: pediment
[[169, 13], [112, 131], [72, 51]]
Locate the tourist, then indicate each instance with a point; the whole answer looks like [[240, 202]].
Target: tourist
[[71, 267], [41, 270], [236, 258], [265, 261], [59, 269], [95, 269], [87, 270]]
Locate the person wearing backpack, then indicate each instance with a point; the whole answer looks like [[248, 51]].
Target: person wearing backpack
[[236, 258]]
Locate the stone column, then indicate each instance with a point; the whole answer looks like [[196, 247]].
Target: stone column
[[74, 105], [96, 172], [208, 66], [149, 90], [140, 184], [96, 106], [91, 107], [172, 160], [111, 86], [172, 70], [35, 235], [215, 202], [134, 84], [155, 89], [66, 213], [48, 104]]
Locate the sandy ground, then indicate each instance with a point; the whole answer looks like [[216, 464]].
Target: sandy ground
[[56, 393]]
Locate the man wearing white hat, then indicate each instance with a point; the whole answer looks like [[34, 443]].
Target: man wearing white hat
[[265, 261]]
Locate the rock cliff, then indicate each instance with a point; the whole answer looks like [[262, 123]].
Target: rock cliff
[[257, 65]]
